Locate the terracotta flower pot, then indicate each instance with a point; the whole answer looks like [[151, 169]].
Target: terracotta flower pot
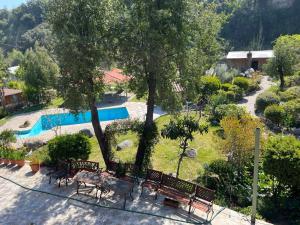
[[6, 161], [13, 162], [20, 163], [35, 167]]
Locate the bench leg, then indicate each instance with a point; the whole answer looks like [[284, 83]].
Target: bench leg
[[59, 180], [190, 208], [125, 199]]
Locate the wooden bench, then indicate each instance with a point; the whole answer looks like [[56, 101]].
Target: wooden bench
[[152, 180], [77, 166], [203, 200], [177, 189]]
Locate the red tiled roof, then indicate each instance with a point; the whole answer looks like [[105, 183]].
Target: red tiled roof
[[8, 91], [114, 76]]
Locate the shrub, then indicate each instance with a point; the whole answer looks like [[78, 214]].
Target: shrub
[[3, 113], [226, 86], [238, 92], [282, 159], [231, 110], [292, 111], [275, 113], [290, 94], [209, 85], [253, 86], [265, 99], [75, 146], [7, 137], [222, 176], [241, 82], [292, 80]]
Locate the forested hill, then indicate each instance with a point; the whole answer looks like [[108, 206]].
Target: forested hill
[[257, 23], [23, 26], [254, 25]]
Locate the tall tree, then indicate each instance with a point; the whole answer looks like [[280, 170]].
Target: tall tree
[[85, 33], [39, 73], [286, 57], [3, 75], [161, 43]]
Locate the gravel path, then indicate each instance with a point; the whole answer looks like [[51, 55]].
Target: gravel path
[[249, 101]]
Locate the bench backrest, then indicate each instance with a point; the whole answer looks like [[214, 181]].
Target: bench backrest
[[154, 175], [205, 194], [178, 184], [84, 165], [62, 165]]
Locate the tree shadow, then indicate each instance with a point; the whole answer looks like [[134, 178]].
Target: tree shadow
[[47, 203]]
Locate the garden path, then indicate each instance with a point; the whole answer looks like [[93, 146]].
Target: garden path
[[249, 101]]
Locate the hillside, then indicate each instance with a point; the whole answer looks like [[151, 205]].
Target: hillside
[[257, 23]]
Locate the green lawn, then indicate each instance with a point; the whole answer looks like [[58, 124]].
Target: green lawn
[[166, 152]]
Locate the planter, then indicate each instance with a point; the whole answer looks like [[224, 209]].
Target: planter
[[1, 160], [6, 161], [13, 162], [35, 167], [20, 163]]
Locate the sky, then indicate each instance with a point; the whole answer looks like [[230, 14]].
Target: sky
[[10, 4]]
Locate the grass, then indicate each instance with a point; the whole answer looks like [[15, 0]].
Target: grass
[[165, 155]]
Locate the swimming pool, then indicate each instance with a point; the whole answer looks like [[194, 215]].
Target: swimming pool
[[47, 122]]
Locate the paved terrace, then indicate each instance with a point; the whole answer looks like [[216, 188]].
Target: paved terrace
[[23, 207], [136, 110]]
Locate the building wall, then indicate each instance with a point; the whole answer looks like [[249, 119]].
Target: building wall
[[243, 64], [14, 101]]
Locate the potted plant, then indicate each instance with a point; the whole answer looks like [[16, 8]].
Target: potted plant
[[1, 156], [20, 158], [6, 156], [35, 165], [12, 157]]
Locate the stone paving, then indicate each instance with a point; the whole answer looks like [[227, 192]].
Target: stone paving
[[23, 207], [136, 110]]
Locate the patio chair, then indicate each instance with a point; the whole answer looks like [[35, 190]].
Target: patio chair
[[203, 200], [62, 171], [152, 180]]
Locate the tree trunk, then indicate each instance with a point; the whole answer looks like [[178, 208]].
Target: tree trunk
[[185, 145], [140, 155], [98, 132], [281, 77], [3, 98]]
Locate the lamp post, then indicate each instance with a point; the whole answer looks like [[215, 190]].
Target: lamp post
[[255, 175]]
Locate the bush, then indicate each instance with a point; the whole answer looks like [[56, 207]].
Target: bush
[[222, 176], [253, 86], [290, 94], [292, 111], [209, 85], [75, 146], [282, 160], [3, 113], [227, 86], [231, 110], [292, 80], [265, 99], [241, 82], [275, 113], [237, 91]]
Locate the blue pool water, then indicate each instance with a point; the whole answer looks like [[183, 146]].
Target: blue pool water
[[47, 122]]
